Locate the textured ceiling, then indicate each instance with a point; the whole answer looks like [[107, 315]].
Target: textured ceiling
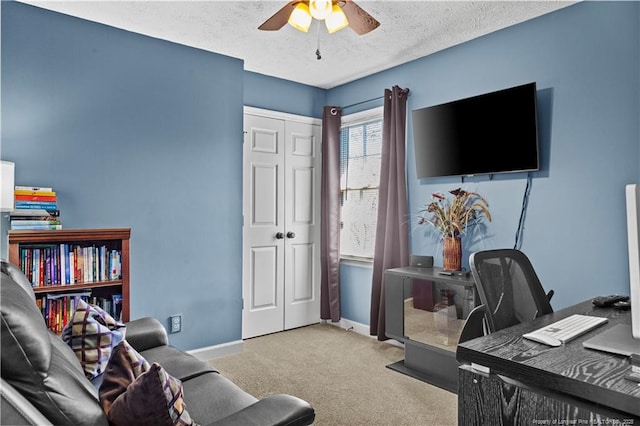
[[408, 30]]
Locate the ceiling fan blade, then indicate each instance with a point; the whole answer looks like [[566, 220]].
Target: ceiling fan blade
[[359, 20], [280, 18]]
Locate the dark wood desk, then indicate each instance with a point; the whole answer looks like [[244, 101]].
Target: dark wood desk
[[531, 383]]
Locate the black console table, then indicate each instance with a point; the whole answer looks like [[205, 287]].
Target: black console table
[[430, 334], [505, 379]]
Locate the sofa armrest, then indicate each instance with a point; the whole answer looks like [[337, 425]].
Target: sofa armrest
[[276, 409], [146, 333], [16, 409]]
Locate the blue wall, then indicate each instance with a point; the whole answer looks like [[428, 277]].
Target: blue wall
[[135, 132], [585, 59], [276, 94]]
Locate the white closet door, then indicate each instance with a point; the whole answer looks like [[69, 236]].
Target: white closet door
[[302, 219], [263, 247], [281, 232]]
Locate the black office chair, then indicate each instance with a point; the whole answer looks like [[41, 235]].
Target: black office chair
[[474, 325], [508, 287]]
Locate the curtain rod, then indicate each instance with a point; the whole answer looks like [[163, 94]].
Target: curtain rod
[[405, 91], [363, 102]]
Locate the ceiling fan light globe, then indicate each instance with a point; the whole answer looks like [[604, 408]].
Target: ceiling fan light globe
[[320, 9], [300, 18], [337, 20]]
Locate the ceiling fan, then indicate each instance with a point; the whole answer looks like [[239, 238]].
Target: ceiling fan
[[337, 14]]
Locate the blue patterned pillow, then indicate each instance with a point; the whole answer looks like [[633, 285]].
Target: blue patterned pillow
[[92, 334]]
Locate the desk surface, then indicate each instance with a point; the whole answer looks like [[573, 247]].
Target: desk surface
[[433, 274], [571, 369]]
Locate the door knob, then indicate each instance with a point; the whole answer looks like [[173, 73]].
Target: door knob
[[291, 234], [279, 235]]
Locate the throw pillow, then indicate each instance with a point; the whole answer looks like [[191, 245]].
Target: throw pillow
[[133, 392], [124, 366], [92, 333]]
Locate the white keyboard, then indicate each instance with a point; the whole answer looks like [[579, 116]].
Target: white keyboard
[[566, 329]]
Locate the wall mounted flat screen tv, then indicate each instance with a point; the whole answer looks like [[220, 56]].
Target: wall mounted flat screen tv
[[491, 133]]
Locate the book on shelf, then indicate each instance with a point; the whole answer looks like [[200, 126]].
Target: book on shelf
[[36, 205], [34, 213], [45, 226], [117, 306], [46, 223], [115, 265], [28, 193], [48, 198], [33, 188]]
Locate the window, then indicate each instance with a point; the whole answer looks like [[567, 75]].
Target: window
[[360, 153]]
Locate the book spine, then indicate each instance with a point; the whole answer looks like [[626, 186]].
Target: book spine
[[72, 266], [48, 265], [49, 313], [36, 267], [115, 265], [31, 213], [41, 198], [36, 227], [67, 269], [35, 193], [33, 188], [55, 253], [94, 264], [91, 264], [37, 206], [117, 306], [63, 265], [85, 265], [78, 264], [65, 311], [35, 222], [103, 259]]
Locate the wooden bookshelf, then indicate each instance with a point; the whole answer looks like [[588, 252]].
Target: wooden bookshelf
[[105, 287]]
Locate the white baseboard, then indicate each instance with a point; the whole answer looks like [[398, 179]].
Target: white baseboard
[[216, 351]]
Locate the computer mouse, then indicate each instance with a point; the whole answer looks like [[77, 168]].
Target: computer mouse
[[623, 305]]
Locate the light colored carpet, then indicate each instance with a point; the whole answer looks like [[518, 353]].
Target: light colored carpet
[[342, 374]]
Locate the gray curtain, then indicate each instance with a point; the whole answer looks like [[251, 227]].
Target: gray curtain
[[330, 216], [392, 231]]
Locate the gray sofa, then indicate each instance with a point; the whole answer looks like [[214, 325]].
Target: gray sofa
[[43, 381]]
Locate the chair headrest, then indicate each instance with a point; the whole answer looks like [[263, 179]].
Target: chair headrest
[[17, 276], [25, 337]]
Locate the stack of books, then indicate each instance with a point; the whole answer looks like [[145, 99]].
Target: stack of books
[[36, 208]]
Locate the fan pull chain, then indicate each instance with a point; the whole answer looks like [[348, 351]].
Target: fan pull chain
[[318, 55]]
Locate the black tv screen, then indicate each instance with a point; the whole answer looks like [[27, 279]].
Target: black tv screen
[[491, 133]]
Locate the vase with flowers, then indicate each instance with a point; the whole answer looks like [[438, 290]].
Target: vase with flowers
[[451, 217]]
